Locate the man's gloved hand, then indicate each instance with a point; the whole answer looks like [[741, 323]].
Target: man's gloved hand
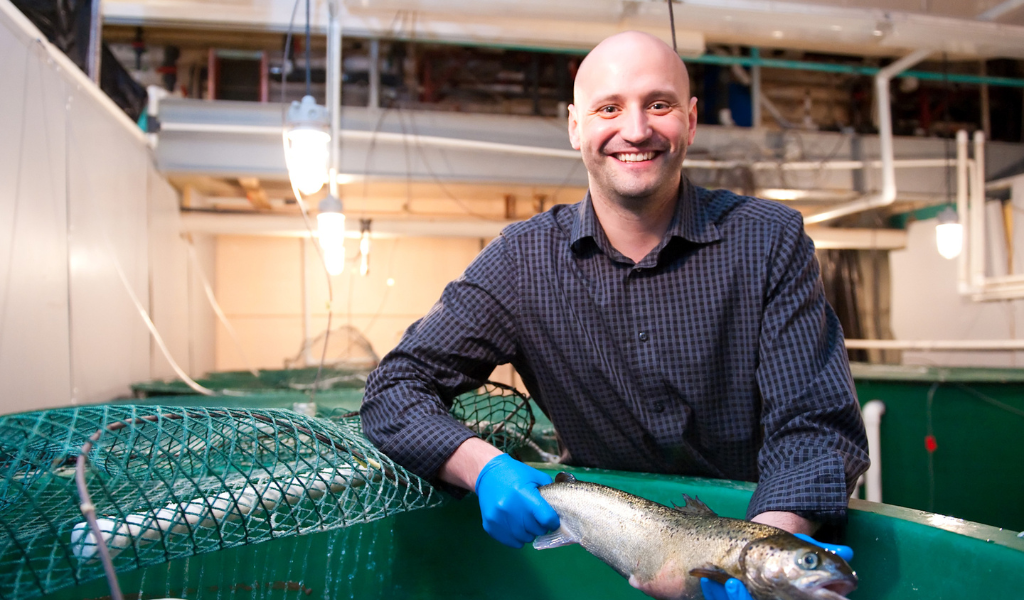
[[734, 588], [843, 552], [513, 511]]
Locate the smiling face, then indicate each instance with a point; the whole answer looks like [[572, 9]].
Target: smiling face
[[632, 118]]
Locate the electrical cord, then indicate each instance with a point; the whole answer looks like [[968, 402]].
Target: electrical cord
[[672, 24], [287, 49], [212, 298], [330, 288], [309, 76]]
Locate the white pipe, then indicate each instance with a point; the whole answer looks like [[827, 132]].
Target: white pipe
[[307, 326], [888, 194], [999, 10], [977, 215], [334, 89], [872, 413], [937, 345], [963, 268], [373, 100], [93, 52]]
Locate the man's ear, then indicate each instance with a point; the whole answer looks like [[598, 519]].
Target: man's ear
[[574, 128], [692, 117]]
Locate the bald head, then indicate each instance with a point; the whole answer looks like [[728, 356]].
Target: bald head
[[621, 55], [632, 119]]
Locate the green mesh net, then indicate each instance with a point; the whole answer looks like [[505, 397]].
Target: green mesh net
[[244, 382], [175, 481]]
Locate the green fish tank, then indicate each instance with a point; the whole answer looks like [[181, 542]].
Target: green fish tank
[[443, 553]]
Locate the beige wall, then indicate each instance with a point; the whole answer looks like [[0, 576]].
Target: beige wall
[[259, 286]]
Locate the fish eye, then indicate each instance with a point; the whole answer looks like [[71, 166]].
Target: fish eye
[[808, 560]]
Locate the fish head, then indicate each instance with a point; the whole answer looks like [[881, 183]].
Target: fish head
[[786, 567]]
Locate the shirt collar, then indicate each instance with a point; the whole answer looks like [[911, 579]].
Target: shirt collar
[[691, 221]]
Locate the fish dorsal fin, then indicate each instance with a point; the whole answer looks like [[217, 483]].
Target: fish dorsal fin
[[564, 477], [694, 507], [711, 572]]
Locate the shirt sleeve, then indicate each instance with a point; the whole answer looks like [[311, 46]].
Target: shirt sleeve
[[815, 446], [451, 350]]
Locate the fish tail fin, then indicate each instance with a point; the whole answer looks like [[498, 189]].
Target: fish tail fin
[[558, 537]]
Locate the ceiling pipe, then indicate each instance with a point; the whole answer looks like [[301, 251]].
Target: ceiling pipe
[[93, 50], [291, 225], [334, 90], [997, 11], [888, 194]]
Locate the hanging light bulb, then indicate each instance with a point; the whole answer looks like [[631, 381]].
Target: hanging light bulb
[[307, 145], [330, 223], [334, 260], [949, 234], [364, 247]]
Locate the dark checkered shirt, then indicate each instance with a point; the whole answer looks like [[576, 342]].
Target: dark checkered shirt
[[716, 355]]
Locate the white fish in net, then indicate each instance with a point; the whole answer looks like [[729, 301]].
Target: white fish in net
[[150, 526]]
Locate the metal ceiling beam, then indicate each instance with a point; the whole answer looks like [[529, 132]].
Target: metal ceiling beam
[[212, 223]]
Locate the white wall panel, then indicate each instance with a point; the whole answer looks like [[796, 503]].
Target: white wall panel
[[80, 197], [169, 271], [927, 306], [107, 216], [34, 354]]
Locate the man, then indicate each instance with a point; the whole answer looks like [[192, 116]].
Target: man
[[662, 327]]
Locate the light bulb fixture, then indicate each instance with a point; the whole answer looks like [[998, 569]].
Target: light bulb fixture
[[364, 247], [334, 260], [949, 233], [330, 224], [307, 145]]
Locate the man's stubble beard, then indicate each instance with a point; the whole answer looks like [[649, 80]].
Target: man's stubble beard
[[626, 195]]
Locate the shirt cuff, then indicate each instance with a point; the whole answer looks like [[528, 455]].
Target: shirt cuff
[[425, 444], [815, 489]]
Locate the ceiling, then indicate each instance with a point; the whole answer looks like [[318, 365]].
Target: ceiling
[[855, 27]]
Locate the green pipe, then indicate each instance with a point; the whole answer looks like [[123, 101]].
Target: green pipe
[[801, 65], [773, 63]]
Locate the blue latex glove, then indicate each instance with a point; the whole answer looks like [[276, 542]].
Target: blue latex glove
[[513, 511], [734, 588], [843, 552]]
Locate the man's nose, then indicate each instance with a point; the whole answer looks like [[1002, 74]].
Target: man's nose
[[636, 127]]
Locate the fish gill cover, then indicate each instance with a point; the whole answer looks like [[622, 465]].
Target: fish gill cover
[[172, 482]]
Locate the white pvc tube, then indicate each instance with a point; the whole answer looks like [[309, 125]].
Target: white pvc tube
[[872, 413], [888, 194], [937, 345]]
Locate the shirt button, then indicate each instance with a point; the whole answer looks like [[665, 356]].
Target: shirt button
[[643, 336], [659, 406]]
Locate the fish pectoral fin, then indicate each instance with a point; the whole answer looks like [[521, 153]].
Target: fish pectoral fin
[[695, 507], [558, 537], [713, 573]]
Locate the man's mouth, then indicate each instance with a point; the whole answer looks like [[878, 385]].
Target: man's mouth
[[632, 157]]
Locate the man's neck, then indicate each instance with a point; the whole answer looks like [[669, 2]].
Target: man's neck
[[635, 228]]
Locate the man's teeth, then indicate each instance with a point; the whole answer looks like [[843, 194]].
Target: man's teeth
[[635, 156]]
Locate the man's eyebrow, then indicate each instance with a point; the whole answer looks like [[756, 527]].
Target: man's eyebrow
[[652, 95], [602, 100]]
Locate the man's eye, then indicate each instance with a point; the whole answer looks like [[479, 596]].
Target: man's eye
[[660, 106], [608, 110]]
